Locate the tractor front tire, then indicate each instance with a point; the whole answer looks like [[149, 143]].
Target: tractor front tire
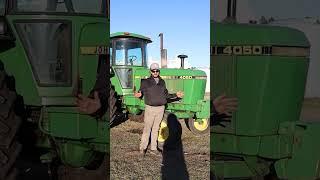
[[9, 126], [163, 133], [198, 128], [116, 115]]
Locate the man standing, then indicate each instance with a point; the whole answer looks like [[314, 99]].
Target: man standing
[[155, 97]]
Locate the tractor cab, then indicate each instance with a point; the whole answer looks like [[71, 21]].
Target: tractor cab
[[128, 52]]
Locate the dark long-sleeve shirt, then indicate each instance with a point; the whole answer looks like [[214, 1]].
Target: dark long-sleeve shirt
[[155, 94]]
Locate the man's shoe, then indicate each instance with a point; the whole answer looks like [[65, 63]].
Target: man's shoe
[[156, 153]]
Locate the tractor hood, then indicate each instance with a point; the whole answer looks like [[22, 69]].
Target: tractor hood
[[238, 34], [174, 73]]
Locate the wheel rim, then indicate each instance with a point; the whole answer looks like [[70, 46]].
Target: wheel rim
[[201, 125], [163, 132]]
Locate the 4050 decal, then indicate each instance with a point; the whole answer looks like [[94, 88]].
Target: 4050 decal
[[185, 77], [241, 50]]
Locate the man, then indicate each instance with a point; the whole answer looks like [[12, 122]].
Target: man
[[155, 97]]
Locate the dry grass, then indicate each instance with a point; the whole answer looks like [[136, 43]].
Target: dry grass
[[127, 163]]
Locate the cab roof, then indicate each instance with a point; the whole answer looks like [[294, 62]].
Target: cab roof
[[129, 35]]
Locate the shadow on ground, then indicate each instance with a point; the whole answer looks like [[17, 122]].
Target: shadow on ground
[[173, 162]]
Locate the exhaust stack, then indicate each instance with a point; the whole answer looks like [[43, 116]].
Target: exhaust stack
[[231, 12], [163, 52]]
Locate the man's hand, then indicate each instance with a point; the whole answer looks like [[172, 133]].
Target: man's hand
[[179, 94], [88, 105], [225, 105], [137, 94]]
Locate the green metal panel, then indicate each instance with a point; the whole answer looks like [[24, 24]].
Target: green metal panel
[[239, 34], [227, 143], [305, 160], [240, 167], [224, 80], [88, 64], [264, 87], [68, 123], [74, 155], [276, 147], [203, 111], [232, 169], [224, 71]]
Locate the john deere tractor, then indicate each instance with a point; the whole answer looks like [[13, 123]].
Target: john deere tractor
[[265, 67], [50, 51], [129, 65]]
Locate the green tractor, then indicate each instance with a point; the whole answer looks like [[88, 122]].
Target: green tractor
[[50, 51], [266, 68], [129, 65]]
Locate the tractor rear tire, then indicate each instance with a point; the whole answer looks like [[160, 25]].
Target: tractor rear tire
[[198, 128], [102, 172], [117, 116], [9, 126]]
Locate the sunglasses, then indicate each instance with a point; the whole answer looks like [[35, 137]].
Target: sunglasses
[[154, 71]]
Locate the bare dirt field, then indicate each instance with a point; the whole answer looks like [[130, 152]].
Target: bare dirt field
[[185, 159]]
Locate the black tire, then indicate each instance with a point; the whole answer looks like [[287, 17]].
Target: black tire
[[9, 126], [112, 106], [191, 124], [102, 172], [116, 115], [96, 162]]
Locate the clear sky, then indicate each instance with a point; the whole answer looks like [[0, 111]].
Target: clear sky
[[184, 23]]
